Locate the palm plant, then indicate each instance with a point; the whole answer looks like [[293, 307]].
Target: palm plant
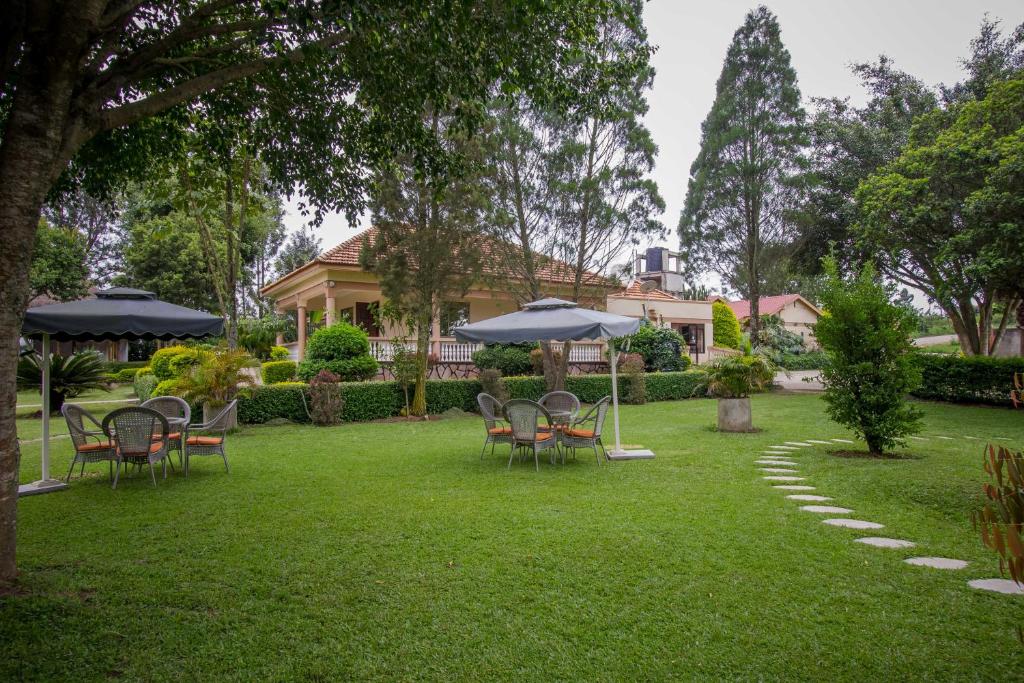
[[216, 380], [738, 376], [69, 375]]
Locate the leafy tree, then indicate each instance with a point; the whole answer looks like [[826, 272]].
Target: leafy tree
[[945, 216], [426, 248], [96, 220], [727, 331], [300, 248], [58, 264], [745, 180], [93, 92], [662, 349], [870, 368]]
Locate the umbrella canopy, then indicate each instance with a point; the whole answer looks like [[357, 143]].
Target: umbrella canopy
[[119, 313], [557, 320], [548, 320]]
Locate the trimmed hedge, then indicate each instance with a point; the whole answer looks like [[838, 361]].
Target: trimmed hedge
[[144, 384], [161, 360], [276, 371], [378, 400], [115, 366], [124, 375], [970, 379], [811, 360]]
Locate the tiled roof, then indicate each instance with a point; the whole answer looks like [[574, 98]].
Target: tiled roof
[[347, 254], [635, 291], [767, 305]]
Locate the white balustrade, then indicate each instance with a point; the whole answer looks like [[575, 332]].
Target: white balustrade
[[454, 352], [383, 349], [583, 352]]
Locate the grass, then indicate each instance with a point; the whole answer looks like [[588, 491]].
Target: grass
[[390, 551], [949, 347], [98, 402]]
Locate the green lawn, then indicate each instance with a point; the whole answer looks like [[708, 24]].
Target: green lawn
[[390, 551], [98, 402]]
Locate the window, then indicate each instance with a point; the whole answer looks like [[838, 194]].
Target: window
[[453, 314], [366, 317], [694, 336]]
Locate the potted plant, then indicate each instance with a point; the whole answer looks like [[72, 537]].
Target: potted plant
[[215, 382], [731, 380]]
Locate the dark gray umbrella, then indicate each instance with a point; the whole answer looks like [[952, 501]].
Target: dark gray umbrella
[[118, 313], [557, 320]]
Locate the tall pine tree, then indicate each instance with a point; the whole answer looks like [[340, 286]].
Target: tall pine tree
[[746, 179]]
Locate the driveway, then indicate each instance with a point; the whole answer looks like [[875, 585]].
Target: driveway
[[935, 340], [800, 380]]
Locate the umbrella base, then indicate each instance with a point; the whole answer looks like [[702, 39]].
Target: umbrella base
[[41, 486], [633, 454]]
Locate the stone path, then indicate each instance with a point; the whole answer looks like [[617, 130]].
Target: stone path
[[779, 470], [774, 462], [853, 523], [826, 509], [936, 562], [842, 441], [783, 478], [801, 444], [882, 542], [793, 487], [1005, 586], [808, 497], [783, 448]]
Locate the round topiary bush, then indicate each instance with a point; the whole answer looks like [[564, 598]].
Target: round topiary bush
[[343, 349], [279, 353], [277, 371], [727, 327], [167, 387], [161, 361]]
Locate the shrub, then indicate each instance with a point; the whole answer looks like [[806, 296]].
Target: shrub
[[510, 359], [69, 375], [870, 361], [811, 360], [491, 383], [167, 387], [404, 368], [274, 401], [146, 370], [370, 401], [325, 399], [738, 376], [279, 353], [1001, 518], [663, 349], [726, 327], [278, 371], [144, 385], [966, 379], [125, 375], [343, 349], [673, 386], [182, 364], [161, 360], [217, 379]]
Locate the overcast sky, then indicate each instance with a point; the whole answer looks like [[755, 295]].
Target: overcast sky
[[925, 38]]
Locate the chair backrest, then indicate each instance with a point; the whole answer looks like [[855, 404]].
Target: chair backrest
[[601, 407], [562, 401], [522, 416], [76, 417], [220, 422], [134, 429], [490, 408], [169, 406]]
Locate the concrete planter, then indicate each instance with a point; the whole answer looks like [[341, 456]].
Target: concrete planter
[[734, 415], [210, 412]]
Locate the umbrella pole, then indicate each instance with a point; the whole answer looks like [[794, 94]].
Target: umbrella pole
[[46, 407], [614, 355]]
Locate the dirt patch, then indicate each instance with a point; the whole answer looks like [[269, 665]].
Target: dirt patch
[[868, 455]]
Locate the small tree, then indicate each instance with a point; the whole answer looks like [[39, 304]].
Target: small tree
[[726, 327], [403, 367], [867, 339]]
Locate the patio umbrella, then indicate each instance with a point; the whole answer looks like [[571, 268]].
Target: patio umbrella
[[117, 313], [558, 320]]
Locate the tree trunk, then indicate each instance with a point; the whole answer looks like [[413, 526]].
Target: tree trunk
[[556, 365], [419, 396]]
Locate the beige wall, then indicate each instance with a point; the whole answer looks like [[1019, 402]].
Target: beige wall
[[798, 318], [668, 313]]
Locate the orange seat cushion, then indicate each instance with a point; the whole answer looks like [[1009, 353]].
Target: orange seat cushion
[[204, 441], [499, 431], [99, 446], [153, 448], [580, 433], [173, 436]]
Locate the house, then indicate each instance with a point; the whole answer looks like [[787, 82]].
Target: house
[[691, 319], [798, 315], [335, 287]]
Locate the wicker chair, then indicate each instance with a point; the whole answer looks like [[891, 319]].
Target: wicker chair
[[496, 430], [139, 436], [522, 416], [91, 445], [561, 402], [208, 438], [177, 408], [586, 431]]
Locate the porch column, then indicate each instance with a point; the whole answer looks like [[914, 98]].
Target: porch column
[[279, 340], [435, 337], [300, 321], [330, 308]]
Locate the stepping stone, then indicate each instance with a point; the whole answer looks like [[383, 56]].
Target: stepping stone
[[852, 523], [917, 438], [808, 497], [842, 441], [947, 438], [881, 542], [784, 448], [779, 470], [817, 441], [783, 478], [973, 438], [793, 487], [826, 509], [776, 458], [801, 444], [785, 453], [774, 462], [1005, 586], [936, 562]]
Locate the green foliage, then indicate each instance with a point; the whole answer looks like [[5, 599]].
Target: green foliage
[[260, 404], [59, 268], [183, 363], [69, 375], [870, 365], [257, 336], [738, 376], [343, 349], [124, 375], [325, 399], [727, 332], [663, 349], [509, 359], [404, 367], [144, 385], [161, 360], [145, 370], [492, 383], [301, 247], [809, 360], [217, 379], [279, 353], [276, 371], [971, 379], [167, 387], [774, 339], [633, 372], [740, 194], [1001, 518]]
